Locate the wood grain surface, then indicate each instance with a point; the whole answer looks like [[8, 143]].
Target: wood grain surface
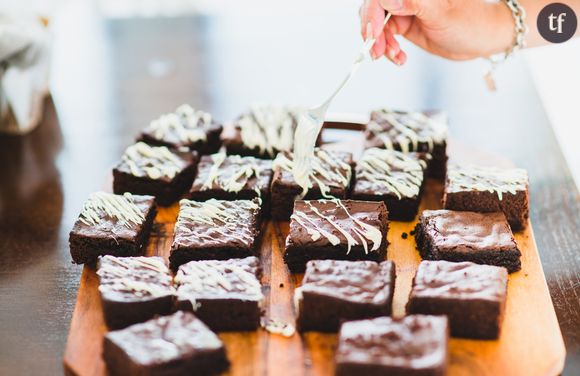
[[530, 342]]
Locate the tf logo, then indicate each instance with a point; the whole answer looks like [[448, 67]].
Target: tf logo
[[557, 23]]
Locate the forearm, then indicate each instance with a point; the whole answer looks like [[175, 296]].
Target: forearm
[[505, 27]]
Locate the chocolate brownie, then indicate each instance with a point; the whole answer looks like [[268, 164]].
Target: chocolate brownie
[[134, 289], [424, 132], [179, 344], [335, 229], [226, 295], [262, 132], [409, 346], [330, 177], [472, 296], [233, 178], [333, 291], [489, 189], [215, 229], [392, 177], [186, 127], [110, 224], [155, 170], [482, 238]]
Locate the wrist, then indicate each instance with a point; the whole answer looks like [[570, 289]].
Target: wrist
[[502, 32]]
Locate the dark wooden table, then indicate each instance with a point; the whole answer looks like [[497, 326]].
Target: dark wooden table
[[112, 77]]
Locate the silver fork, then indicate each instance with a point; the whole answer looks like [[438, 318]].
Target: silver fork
[[311, 121]]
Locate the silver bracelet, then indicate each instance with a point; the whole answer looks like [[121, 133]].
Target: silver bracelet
[[519, 15]]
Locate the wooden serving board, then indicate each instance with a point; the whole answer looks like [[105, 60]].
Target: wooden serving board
[[530, 342]]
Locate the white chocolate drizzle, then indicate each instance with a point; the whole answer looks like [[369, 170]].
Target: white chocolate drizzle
[[365, 233], [137, 276], [409, 129], [186, 124], [102, 205], [269, 128], [490, 179], [278, 327], [248, 167], [400, 173], [325, 171], [224, 217], [213, 278], [154, 162]]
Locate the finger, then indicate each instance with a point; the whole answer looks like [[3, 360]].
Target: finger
[[399, 25], [401, 58], [373, 14], [380, 46], [392, 43]]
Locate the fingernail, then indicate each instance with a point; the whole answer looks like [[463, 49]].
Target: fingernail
[[369, 33], [392, 55]]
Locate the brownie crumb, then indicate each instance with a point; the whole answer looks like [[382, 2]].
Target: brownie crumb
[[412, 232], [281, 285], [404, 235]]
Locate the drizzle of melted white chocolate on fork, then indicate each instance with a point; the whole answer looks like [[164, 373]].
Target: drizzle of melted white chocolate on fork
[[361, 233], [108, 205], [323, 168], [401, 174], [154, 162]]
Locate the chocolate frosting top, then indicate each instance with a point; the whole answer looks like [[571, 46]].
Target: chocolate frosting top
[[219, 279], [108, 215], [182, 127], [416, 341], [321, 223], [165, 338], [268, 128], [408, 130], [216, 223], [154, 162], [329, 170], [356, 281], [133, 279], [460, 280], [492, 179], [233, 173], [461, 231], [381, 171]]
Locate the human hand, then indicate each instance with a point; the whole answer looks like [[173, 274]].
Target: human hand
[[453, 29]]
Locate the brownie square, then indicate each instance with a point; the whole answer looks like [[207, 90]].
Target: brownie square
[[409, 346], [233, 178], [156, 171], [215, 229], [262, 132], [134, 289], [330, 177], [424, 132], [179, 344], [338, 230], [482, 238], [489, 189], [186, 127], [334, 291], [226, 295], [110, 224], [472, 296], [393, 177]]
